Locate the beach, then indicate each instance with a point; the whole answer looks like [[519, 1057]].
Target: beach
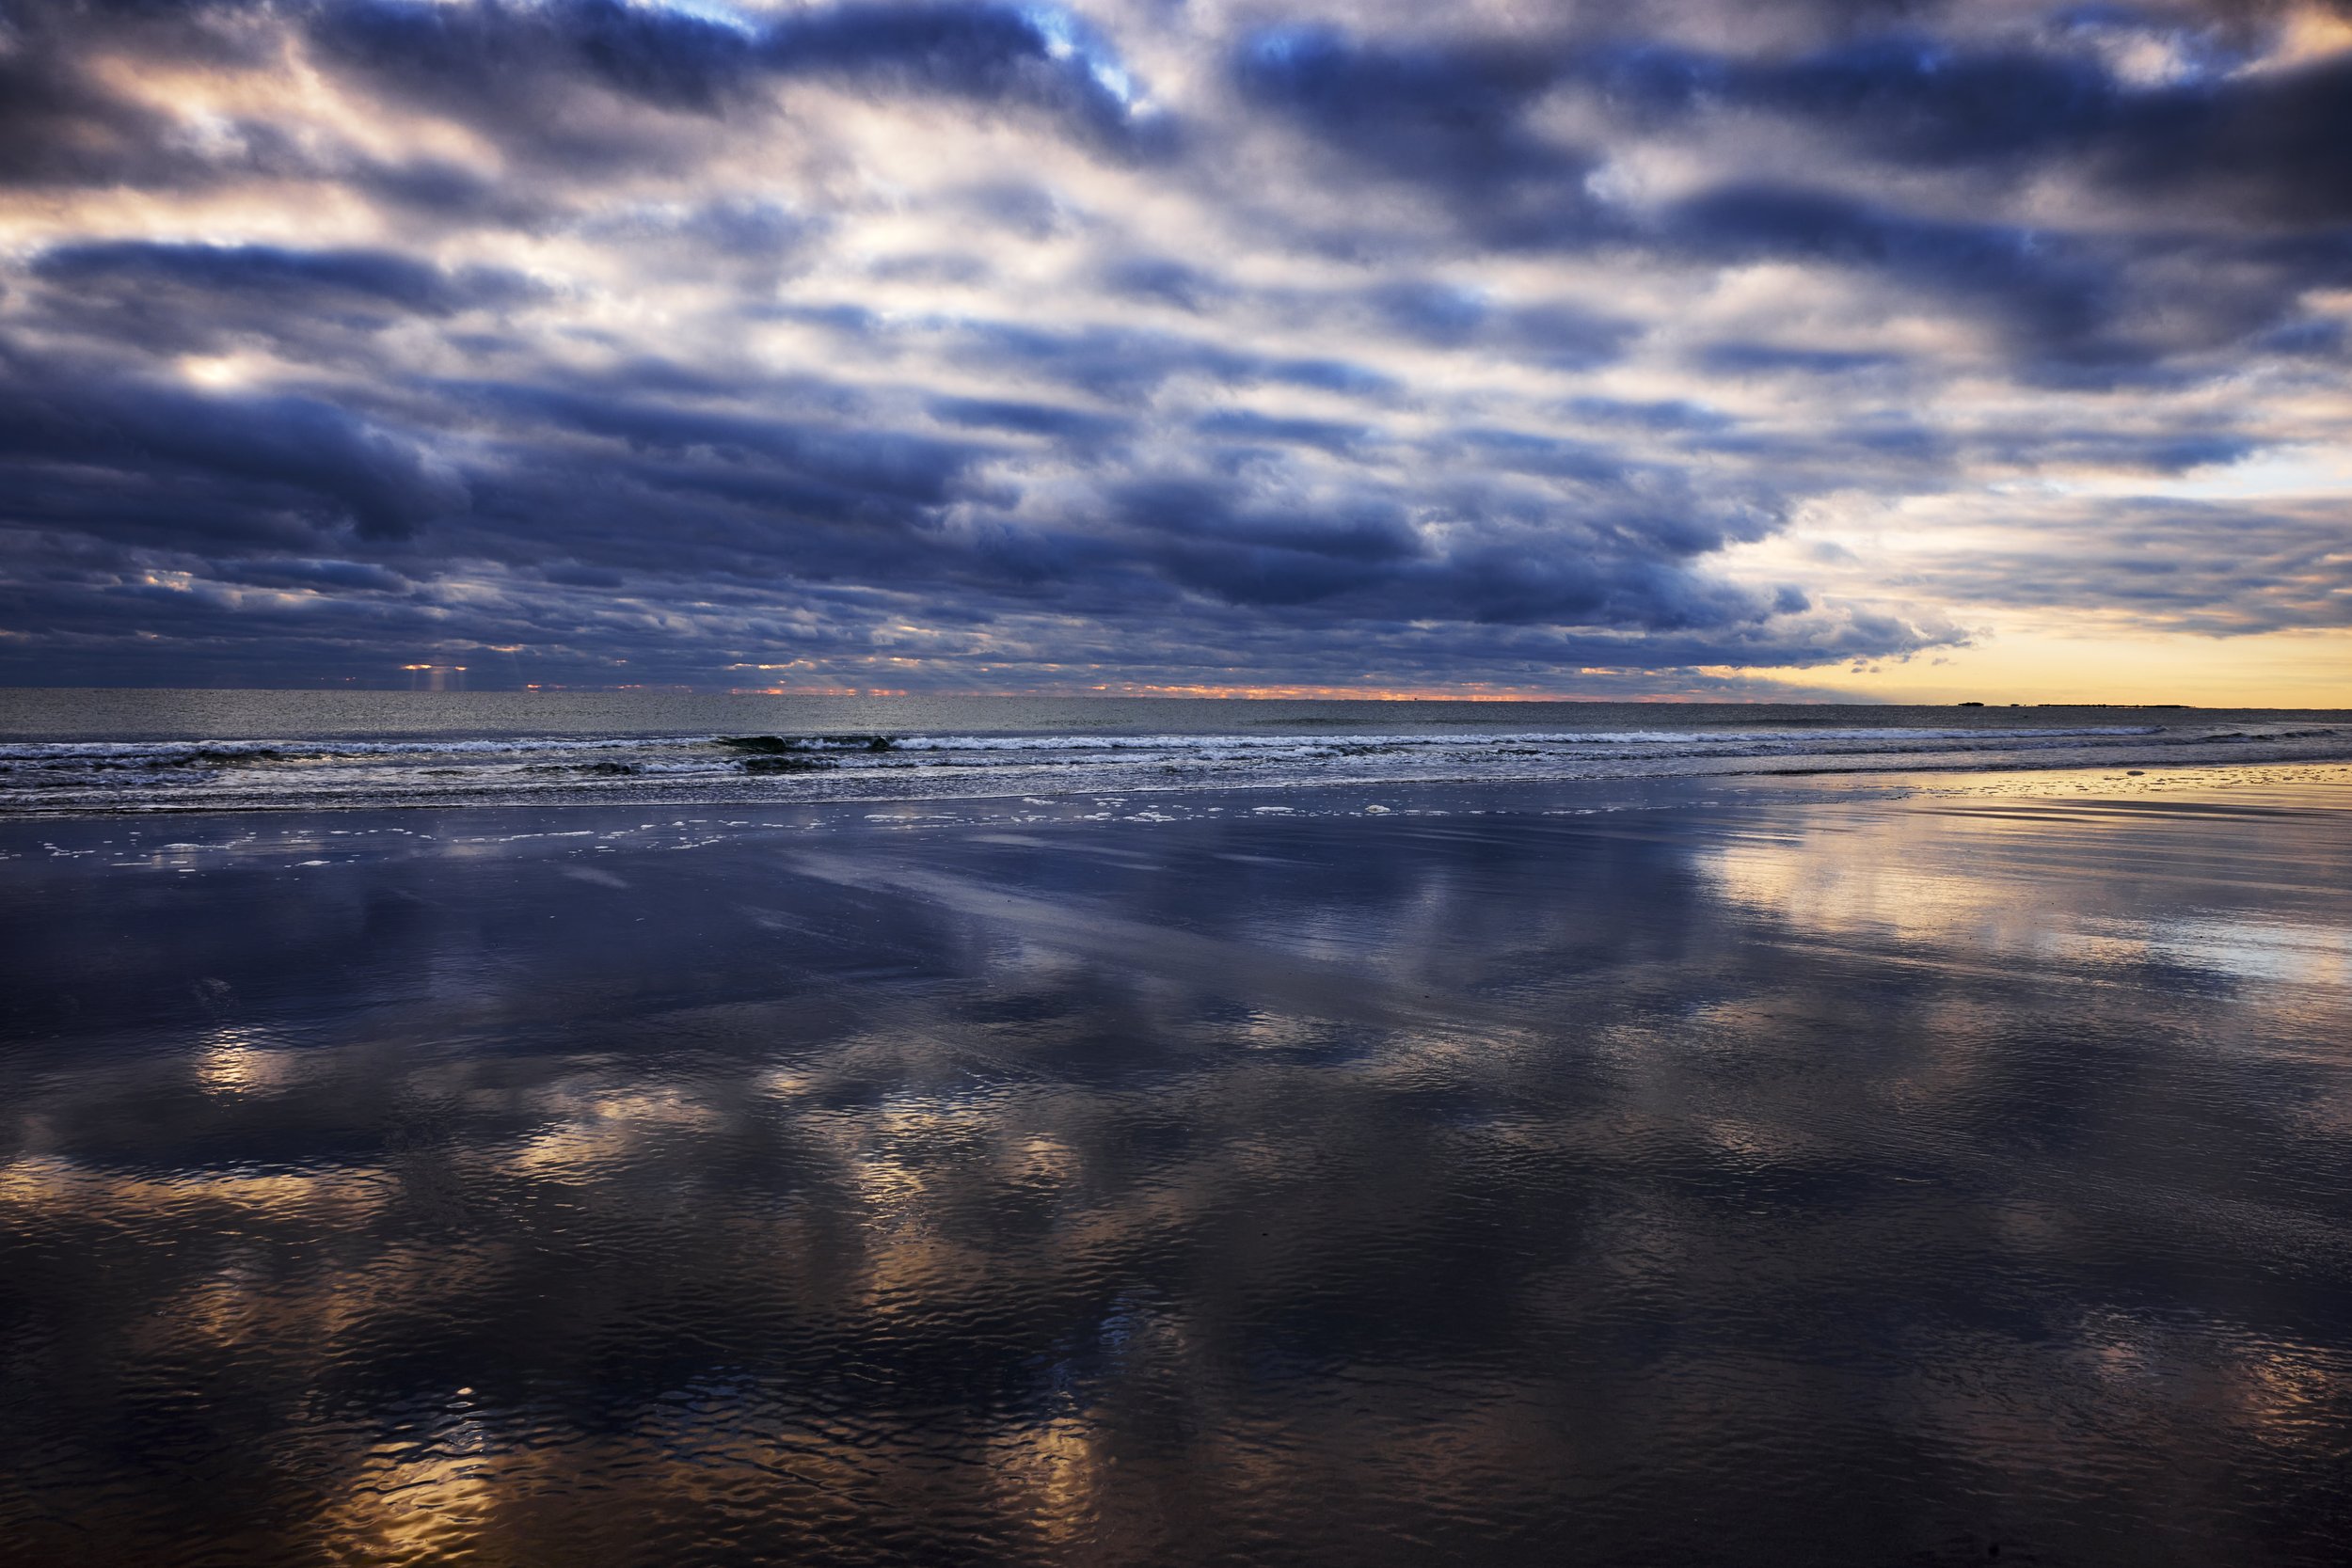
[[1790, 1175], [1117, 783]]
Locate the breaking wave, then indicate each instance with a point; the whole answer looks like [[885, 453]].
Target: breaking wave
[[85, 776]]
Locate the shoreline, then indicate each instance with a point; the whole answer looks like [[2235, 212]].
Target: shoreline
[[321, 839], [1893, 780]]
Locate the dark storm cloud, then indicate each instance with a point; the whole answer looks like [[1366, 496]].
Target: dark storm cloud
[[1516, 452], [1460, 110], [55, 127], [1671, 415], [192, 297], [858, 471], [65, 122], [2266, 144], [894, 337], [1029, 419], [337, 575], [1126, 365], [1743, 358], [2049, 293], [1161, 278], [756, 243], [528, 75], [1453, 111], [286, 278], [2204, 155], [505, 66], [241, 467], [1569, 337], [1242, 425]]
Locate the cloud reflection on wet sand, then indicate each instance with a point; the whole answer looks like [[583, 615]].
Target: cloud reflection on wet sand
[[1844, 1182]]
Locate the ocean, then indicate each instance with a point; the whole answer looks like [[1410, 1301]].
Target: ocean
[[71, 752], [644, 1129]]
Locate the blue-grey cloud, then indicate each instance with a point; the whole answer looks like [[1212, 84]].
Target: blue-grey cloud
[[203, 297], [505, 66], [241, 465], [2203, 155], [973, 342]]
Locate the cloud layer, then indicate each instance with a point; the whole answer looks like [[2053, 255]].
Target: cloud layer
[[986, 346]]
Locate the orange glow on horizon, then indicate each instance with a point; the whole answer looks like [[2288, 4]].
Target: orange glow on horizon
[[1277, 692], [816, 691]]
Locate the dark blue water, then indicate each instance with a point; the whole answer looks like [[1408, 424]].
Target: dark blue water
[[1771, 1180]]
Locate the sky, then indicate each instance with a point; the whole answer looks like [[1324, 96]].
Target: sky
[[1702, 348]]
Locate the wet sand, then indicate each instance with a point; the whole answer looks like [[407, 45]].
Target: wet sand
[[1776, 1174]]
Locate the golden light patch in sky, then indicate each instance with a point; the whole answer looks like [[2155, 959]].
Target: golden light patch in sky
[[2043, 663]]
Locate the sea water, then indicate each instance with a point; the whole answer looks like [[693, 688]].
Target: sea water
[[126, 750]]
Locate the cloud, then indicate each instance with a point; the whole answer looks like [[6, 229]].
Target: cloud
[[1029, 419], [242, 466], [2258, 143], [520, 70], [2209, 568], [976, 342], [2202, 152], [194, 298]]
